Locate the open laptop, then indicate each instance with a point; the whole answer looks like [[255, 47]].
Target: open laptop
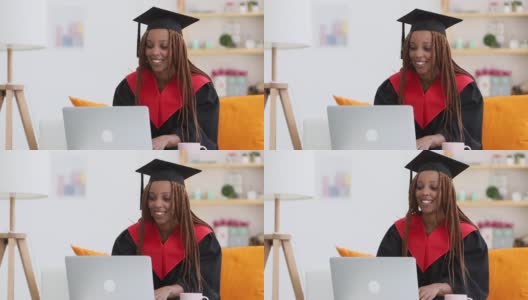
[[380, 127], [109, 277], [369, 278], [107, 128]]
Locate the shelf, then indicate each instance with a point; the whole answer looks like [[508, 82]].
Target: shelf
[[226, 51], [493, 203], [489, 51], [227, 15], [224, 165], [499, 167], [228, 202], [488, 15]]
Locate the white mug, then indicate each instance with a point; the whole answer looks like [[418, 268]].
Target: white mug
[[192, 296], [191, 146], [456, 297], [450, 148]]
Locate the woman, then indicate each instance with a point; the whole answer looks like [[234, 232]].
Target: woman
[[182, 102], [186, 256], [446, 101], [450, 253]]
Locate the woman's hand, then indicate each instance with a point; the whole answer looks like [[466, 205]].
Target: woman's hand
[[165, 141], [429, 292], [430, 141], [162, 293], [168, 291]]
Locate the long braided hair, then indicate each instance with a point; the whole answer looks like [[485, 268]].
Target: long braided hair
[[181, 67], [185, 220], [452, 215], [447, 70]]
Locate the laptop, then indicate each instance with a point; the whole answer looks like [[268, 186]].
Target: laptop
[[380, 127], [109, 277], [378, 278], [107, 128]]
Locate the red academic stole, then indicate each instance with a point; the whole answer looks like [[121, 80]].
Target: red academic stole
[[165, 256], [426, 105], [428, 249], [161, 105]]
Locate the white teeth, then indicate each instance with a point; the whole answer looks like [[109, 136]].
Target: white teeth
[[159, 213], [427, 201], [420, 63]]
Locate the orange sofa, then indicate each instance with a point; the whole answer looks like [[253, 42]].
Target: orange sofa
[[240, 122], [508, 272], [504, 124], [242, 274]]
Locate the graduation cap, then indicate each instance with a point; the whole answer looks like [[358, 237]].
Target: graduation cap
[[426, 20], [432, 161], [161, 170], [156, 18]]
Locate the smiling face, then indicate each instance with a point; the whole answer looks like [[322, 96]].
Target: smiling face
[[421, 53], [157, 51], [427, 192], [160, 203]]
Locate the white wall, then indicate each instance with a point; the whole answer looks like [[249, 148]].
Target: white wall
[[379, 193], [111, 204]]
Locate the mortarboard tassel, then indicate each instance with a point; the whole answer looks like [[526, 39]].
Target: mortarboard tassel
[[403, 40], [137, 51], [141, 193]]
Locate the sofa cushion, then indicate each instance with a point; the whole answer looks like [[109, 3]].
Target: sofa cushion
[[346, 101], [242, 274], [344, 252], [505, 123], [81, 102], [87, 252], [241, 123]]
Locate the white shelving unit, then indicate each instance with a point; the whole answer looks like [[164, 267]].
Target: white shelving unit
[[215, 173], [476, 180], [475, 26], [211, 26]]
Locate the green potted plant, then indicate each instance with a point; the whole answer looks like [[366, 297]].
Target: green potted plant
[[491, 41], [519, 159], [228, 191], [517, 6], [493, 192], [254, 157], [226, 40], [253, 6]]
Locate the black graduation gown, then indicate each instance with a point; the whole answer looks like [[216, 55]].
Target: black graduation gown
[[471, 107], [210, 263], [433, 266], [207, 109]]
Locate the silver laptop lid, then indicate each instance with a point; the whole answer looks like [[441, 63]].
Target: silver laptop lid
[[109, 277], [374, 278], [380, 127], [107, 128]]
